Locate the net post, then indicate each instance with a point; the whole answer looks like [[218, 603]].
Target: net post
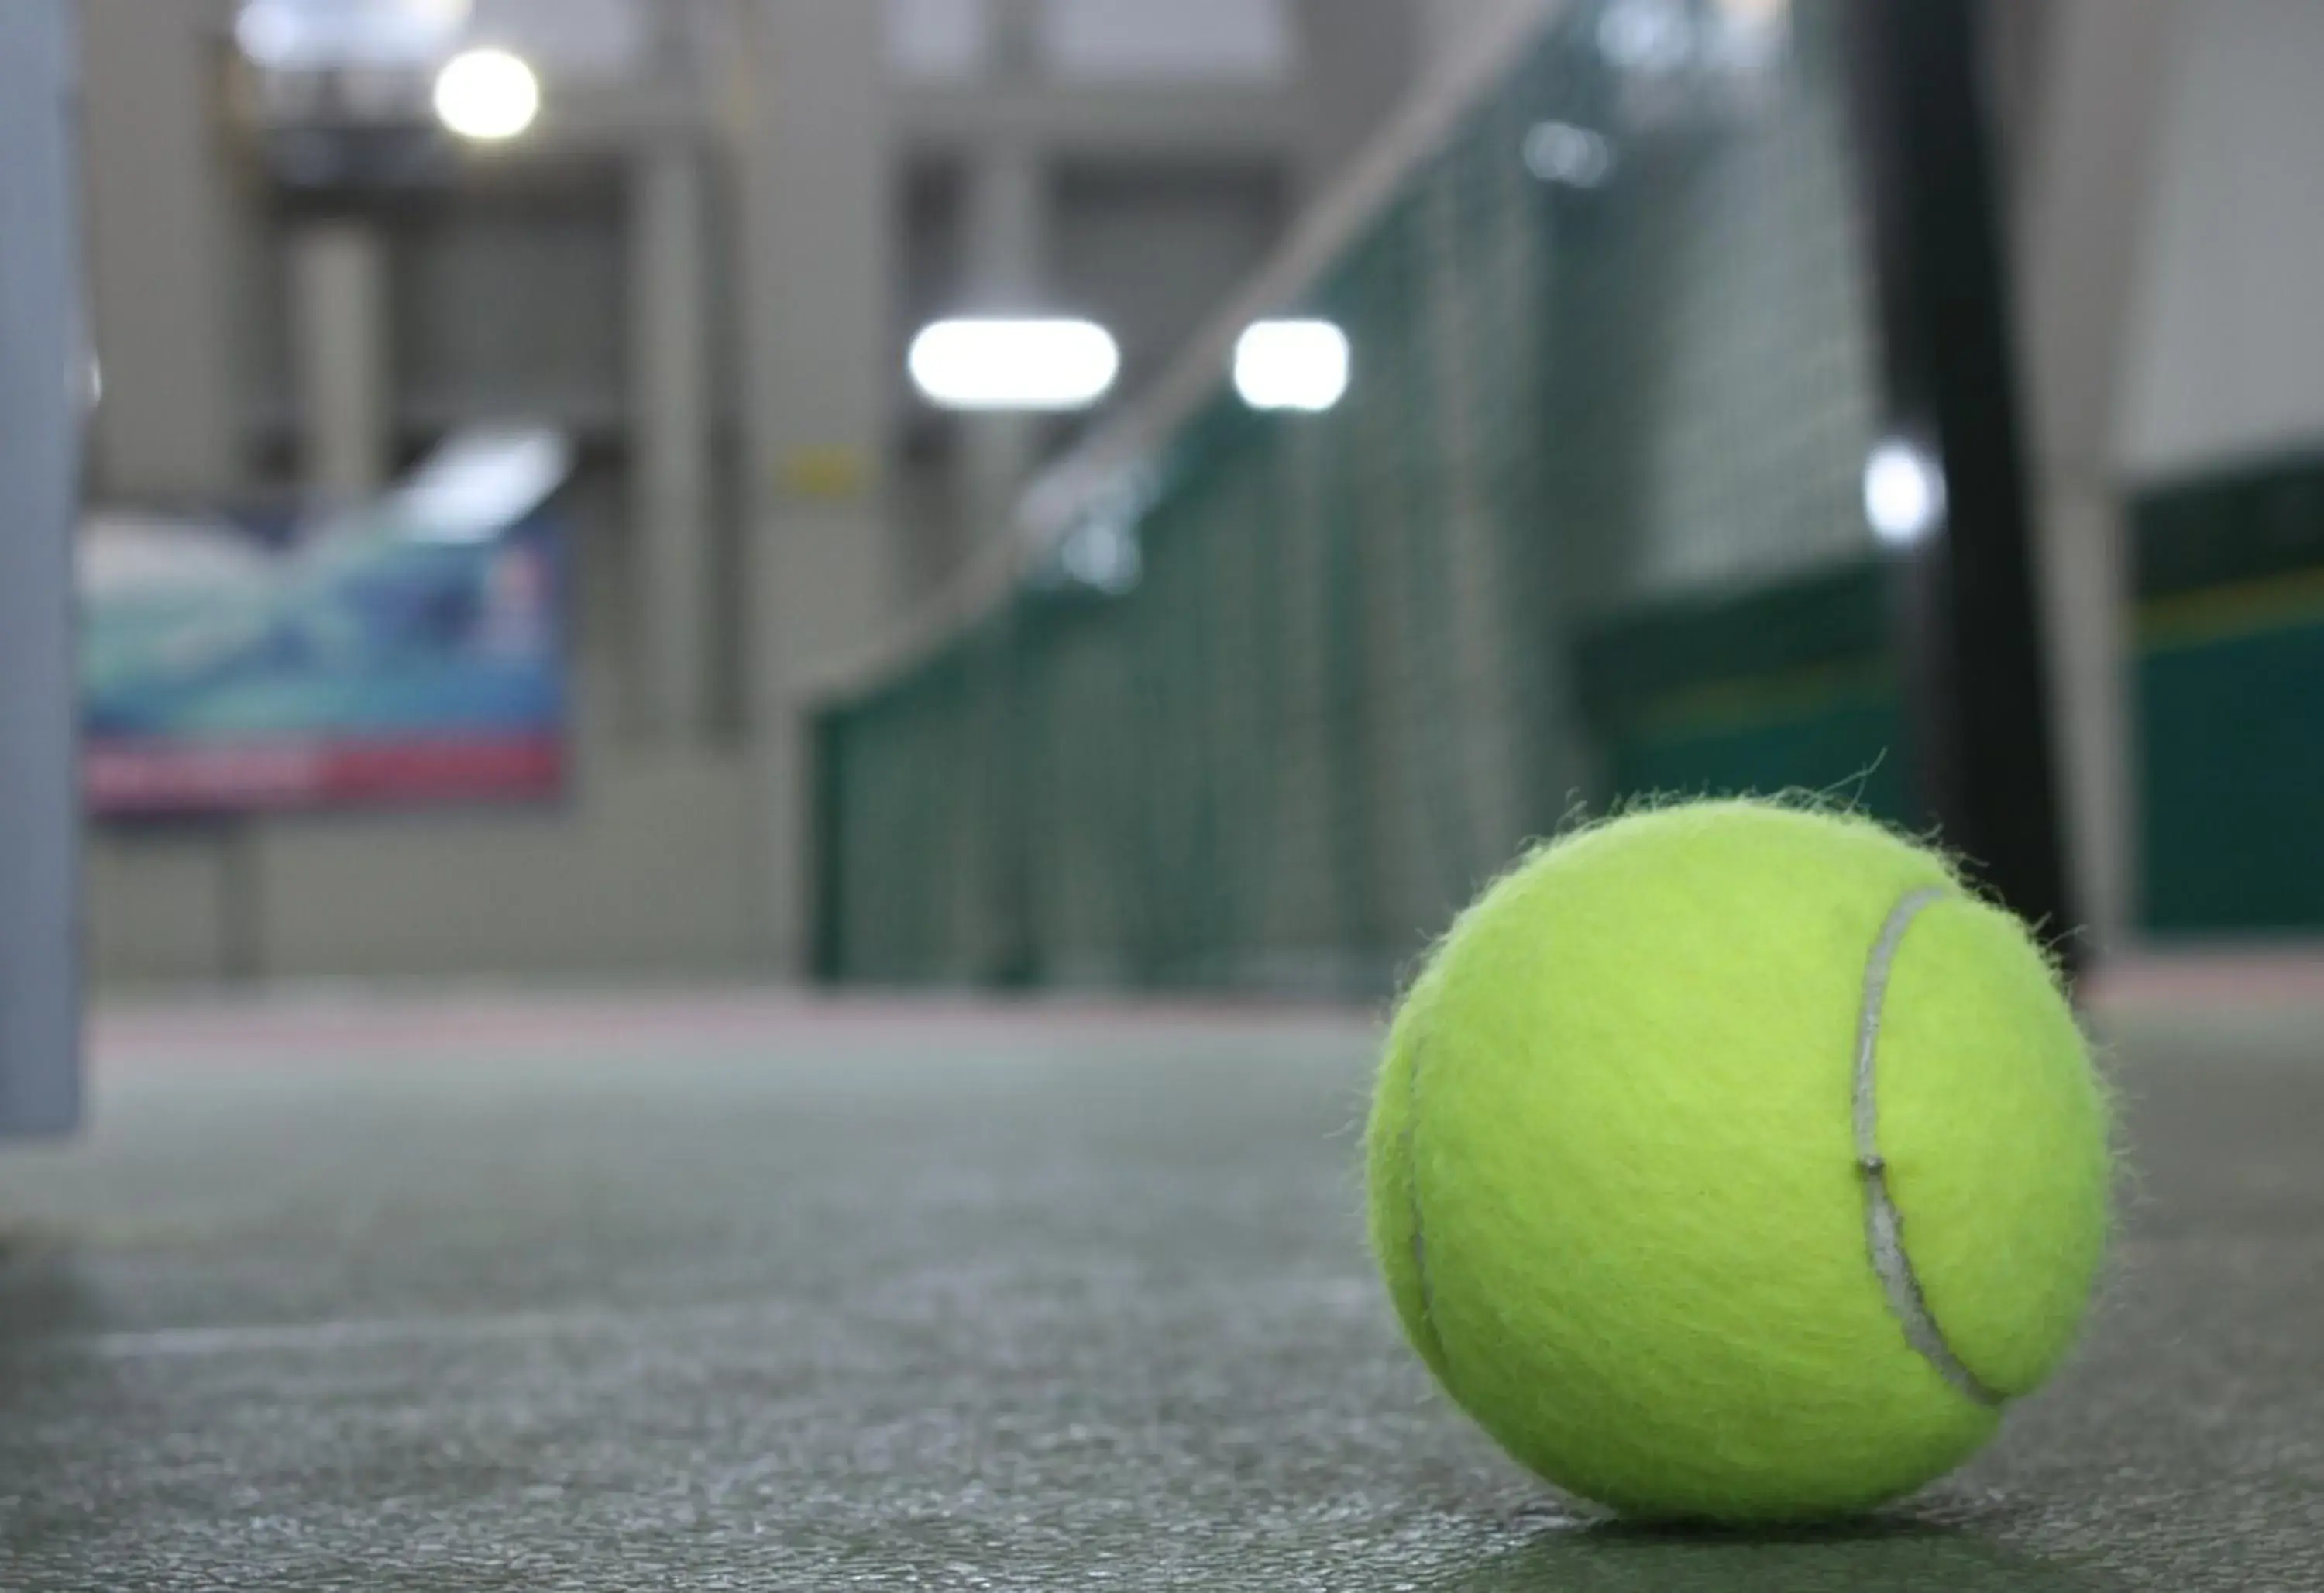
[[1967, 610]]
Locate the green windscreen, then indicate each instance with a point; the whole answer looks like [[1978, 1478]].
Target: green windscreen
[[1586, 522]]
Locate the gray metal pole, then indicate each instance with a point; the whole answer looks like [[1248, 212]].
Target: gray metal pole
[[42, 376]]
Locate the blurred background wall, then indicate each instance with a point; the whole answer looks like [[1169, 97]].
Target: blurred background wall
[[2222, 366], [704, 263]]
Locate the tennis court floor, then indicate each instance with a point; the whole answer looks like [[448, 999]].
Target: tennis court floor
[[586, 1292]]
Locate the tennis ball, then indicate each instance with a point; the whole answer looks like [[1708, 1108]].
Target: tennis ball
[[1733, 1161]]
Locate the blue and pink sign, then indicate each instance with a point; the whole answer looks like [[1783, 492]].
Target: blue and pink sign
[[411, 651]]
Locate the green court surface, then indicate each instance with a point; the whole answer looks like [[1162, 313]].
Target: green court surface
[[580, 1294]]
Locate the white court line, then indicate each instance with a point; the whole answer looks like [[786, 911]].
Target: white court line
[[169, 1343], [1334, 1294]]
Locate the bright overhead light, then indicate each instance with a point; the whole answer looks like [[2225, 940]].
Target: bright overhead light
[[1012, 362], [1291, 364], [487, 95], [1904, 492]]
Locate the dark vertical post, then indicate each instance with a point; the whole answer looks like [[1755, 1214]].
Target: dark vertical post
[[1969, 618], [43, 377]]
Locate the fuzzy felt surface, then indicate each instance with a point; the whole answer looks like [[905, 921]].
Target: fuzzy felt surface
[[1613, 1187]]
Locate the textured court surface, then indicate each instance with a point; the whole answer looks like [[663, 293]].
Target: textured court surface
[[574, 1295]]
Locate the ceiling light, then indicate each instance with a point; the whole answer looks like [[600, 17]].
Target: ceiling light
[[487, 95], [1291, 364], [1011, 363]]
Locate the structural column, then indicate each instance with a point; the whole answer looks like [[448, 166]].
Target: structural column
[[1007, 226], [338, 351], [812, 164], [670, 410], [157, 210], [159, 223], [2085, 178]]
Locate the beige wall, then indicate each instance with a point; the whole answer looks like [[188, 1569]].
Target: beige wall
[[2226, 358], [643, 873]]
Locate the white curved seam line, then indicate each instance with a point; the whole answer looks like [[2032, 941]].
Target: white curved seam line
[[1884, 1226], [1412, 1175]]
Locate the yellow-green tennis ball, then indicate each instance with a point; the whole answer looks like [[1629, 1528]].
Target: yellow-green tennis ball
[[1733, 1161]]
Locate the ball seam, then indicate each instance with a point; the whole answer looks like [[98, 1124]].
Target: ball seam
[[1427, 1298], [1884, 1224]]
